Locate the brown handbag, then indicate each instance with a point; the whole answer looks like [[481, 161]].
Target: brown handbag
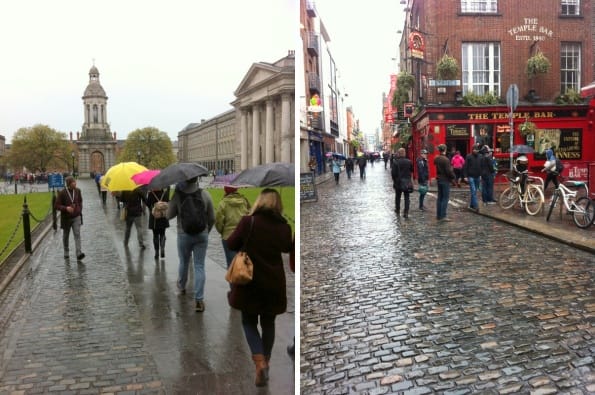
[[241, 269]]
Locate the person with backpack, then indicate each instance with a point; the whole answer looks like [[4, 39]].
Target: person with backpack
[[552, 167], [157, 202], [267, 236], [133, 203], [194, 210], [230, 210]]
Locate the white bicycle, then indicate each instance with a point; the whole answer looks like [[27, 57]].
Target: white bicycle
[[532, 200], [581, 207]]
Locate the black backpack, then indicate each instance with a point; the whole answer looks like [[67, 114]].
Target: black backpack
[[193, 212], [559, 166]]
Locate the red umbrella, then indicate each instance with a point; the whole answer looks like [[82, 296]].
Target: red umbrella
[[144, 177]]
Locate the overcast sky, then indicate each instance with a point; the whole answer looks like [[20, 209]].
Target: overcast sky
[[364, 40], [162, 63]]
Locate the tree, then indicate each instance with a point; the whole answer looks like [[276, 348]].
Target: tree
[[39, 149], [150, 147]]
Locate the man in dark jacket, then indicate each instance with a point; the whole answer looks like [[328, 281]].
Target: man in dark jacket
[[487, 175], [70, 204], [423, 176], [133, 202], [472, 171], [361, 162], [444, 176], [401, 175]]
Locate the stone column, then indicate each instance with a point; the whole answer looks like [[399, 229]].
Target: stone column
[[269, 140], [243, 140], [255, 134], [286, 135]]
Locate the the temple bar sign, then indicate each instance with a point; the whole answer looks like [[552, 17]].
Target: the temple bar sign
[[530, 30]]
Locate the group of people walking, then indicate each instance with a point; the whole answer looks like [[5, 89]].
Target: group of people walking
[[260, 229]]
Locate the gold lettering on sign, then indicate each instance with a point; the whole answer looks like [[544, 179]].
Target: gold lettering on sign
[[530, 30], [515, 115]]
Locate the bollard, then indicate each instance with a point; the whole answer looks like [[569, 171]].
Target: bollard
[[26, 226], [15, 188]]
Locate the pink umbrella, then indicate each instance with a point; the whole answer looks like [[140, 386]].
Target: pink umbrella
[[144, 177]]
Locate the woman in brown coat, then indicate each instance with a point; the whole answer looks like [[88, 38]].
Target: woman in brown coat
[[265, 296]]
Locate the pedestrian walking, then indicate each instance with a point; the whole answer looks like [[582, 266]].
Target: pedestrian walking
[[103, 191], [228, 214], [349, 167], [444, 176], [457, 163], [423, 177], [158, 224], [401, 174], [336, 166], [550, 168], [472, 171], [194, 208], [487, 175], [385, 158], [70, 204], [133, 203], [268, 235], [361, 162]]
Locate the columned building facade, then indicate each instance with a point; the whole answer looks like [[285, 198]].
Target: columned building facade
[[96, 145]]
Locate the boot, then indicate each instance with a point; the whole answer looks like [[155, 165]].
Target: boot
[[406, 214], [261, 365], [162, 242], [156, 246], [267, 359]]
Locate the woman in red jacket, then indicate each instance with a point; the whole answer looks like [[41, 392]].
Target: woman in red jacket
[[267, 235]]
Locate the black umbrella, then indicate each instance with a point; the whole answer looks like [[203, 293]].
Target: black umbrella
[[175, 173], [276, 174], [522, 149]]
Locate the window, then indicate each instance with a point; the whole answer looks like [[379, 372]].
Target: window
[[571, 7], [481, 68], [484, 6], [570, 67]]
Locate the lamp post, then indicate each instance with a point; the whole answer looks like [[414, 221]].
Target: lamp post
[[72, 155], [138, 154]]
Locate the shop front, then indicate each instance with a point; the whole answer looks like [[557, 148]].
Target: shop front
[[567, 128]]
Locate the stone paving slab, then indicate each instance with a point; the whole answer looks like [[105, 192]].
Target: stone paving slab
[[413, 306]]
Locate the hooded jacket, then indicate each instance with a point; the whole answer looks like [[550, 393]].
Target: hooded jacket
[[174, 208], [230, 211]]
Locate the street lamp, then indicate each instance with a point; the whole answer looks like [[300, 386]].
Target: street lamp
[[138, 154]]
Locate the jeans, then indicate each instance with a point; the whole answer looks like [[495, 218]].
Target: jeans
[[422, 196], [362, 173], [229, 254], [138, 224], [473, 186], [259, 344], [442, 201], [349, 171], [195, 245], [75, 225], [487, 189]]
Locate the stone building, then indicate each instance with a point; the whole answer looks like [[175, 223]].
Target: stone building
[[260, 128], [96, 146]]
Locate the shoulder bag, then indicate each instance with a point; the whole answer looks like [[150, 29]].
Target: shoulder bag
[[241, 269]]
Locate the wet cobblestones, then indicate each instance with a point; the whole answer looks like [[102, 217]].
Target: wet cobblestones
[[393, 305]]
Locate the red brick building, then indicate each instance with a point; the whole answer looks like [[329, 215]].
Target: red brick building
[[492, 41]]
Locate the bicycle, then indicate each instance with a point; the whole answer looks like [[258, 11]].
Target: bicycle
[[581, 208], [532, 200]]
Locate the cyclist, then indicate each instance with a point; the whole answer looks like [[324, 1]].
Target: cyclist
[[520, 172]]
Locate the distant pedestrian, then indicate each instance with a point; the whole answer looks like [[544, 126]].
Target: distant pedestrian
[[192, 245], [458, 162], [160, 224], [423, 177], [385, 158], [103, 191], [472, 171], [336, 166], [97, 179], [228, 214], [70, 204], [401, 174], [361, 162], [133, 203], [261, 300], [349, 167], [487, 175], [444, 176]]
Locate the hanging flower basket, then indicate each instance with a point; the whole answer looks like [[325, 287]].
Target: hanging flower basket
[[447, 68], [526, 128], [537, 64]]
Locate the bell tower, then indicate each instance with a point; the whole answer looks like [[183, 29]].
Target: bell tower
[[95, 126]]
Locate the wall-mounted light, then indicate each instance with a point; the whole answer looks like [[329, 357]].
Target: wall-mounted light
[[458, 97]]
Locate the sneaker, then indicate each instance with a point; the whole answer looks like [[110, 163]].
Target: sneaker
[[200, 306], [80, 256]]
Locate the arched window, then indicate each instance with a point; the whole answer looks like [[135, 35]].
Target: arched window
[[95, 114]]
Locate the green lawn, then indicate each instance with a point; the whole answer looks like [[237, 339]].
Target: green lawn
[[39, 205]]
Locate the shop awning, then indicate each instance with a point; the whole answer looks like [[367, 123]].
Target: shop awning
[[589, 90]]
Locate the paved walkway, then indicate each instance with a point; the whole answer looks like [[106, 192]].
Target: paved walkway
[[115, 322]]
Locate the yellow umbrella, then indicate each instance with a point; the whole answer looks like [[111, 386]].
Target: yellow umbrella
[[118, 177]]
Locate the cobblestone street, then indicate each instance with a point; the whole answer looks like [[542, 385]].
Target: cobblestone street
[[415, 306]]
